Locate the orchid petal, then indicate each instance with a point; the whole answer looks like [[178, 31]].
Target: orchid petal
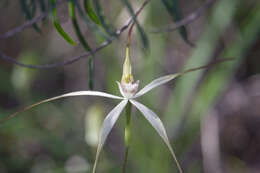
[[121, 89], [164, 79], [107, 126], [89, 93], [155, 83], [77, 93], [155, 121]]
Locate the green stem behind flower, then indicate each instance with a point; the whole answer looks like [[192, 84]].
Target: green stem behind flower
[[127, 134]]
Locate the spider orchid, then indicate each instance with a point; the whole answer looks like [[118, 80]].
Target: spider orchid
[[128, 89]]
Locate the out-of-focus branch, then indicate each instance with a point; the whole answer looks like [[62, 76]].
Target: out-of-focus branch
[[27, 24], [19, 29], [187, 20], [75, 58]]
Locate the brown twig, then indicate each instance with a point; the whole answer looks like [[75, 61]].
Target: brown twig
[[27, 24], [133, 24], [19, 29], [75, 58], [187, 20]]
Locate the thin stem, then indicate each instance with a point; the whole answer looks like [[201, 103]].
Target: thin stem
[[29, 23], [125, 160], [132, 25], [127, 134]]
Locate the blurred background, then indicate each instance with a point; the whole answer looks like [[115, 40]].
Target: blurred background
[[212, 116]]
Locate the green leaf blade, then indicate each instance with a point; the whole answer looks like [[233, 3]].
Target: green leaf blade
[[63, 33], [76, 27], [58, 27], [83, 42], [92, 25], [29, 12], [141, 32], [90, 12], [173, 9], [43, 8], [107, 27]]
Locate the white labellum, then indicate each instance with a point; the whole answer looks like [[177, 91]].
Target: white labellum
[[128, 90]]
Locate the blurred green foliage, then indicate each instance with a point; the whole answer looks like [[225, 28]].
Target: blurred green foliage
[[51, 137]]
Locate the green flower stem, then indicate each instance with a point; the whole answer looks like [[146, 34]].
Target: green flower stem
[[127, 134]]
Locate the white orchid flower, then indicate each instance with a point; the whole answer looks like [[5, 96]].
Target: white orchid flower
[[128, 89]]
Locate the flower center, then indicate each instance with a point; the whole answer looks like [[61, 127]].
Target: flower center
[[129, 89]]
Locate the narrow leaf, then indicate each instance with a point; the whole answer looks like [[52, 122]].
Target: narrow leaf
[[29, 13], [83, 42], [157, 124], [107, 126], [107, 27], [174, 10], [76, 26], [77, 93], [90, 12], [141, 32], [58, 26], [93, 26], [91, 73], [43, 8], [63, 33]]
